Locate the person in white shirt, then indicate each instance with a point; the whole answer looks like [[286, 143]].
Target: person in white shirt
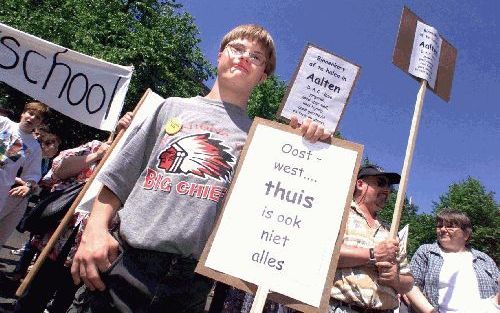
[[19, 149], [449, 275]]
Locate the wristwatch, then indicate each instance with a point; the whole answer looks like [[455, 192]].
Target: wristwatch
[[29, 185], [372, 259]]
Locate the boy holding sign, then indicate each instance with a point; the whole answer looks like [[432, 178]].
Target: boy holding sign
[[172, 179]]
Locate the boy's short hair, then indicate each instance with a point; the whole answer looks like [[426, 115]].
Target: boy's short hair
[[38, 107], [254, 32]]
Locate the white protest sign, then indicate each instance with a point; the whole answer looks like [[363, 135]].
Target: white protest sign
[[321, 88], [282, 217], [150, 102], [424, 61], [408, 45], [86, 89], [421, 52], [403, 241]]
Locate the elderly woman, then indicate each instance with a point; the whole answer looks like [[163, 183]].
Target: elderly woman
[[449, 275]]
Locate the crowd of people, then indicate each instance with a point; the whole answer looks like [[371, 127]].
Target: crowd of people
[[137, 249]]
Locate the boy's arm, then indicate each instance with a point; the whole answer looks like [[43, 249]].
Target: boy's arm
[[23, 188], [98, 249], [30, 175]]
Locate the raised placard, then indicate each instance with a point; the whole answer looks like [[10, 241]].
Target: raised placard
[[284, 216], [320, 89], [424, 60], [408, 43]]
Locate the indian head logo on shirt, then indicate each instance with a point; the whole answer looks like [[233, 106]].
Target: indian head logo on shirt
[[198, 155]]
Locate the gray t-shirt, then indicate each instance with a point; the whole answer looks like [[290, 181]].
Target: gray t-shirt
[[173, 186]]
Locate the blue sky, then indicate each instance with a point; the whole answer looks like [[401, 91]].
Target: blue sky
[[455, 140]]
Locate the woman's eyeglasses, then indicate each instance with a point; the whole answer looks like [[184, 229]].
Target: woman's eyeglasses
[[449, 229]]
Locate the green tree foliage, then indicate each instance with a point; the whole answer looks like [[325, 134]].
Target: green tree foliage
[[156, 37], [468, 196], [266, 98], [471, 197], [421, 226], [422, 231]]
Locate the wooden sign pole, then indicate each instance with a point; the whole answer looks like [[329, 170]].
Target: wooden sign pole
[[69, 215], [410, 30], [396, 217], [260, 299]]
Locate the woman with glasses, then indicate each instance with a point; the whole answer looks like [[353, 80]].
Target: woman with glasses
[[449, 275]]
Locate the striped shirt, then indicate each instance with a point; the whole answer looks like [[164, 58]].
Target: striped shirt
[[358, 285]]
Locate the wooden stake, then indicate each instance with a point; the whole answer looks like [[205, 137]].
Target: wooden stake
[[71, 211], [260, 299], [396, 217]]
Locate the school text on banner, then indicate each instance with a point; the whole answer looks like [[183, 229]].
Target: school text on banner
[[84, 88]]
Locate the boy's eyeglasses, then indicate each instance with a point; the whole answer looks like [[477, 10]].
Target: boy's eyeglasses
[[240, 50]]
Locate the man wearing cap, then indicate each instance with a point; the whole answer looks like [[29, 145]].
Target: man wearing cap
[[370, 272]]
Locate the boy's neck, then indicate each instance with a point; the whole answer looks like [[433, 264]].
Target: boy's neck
[[238, 98], [25, 131]]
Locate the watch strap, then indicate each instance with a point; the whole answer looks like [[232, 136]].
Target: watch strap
[[372, 259]]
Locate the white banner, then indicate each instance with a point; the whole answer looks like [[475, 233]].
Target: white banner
[[86, 89], [149, 105]]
